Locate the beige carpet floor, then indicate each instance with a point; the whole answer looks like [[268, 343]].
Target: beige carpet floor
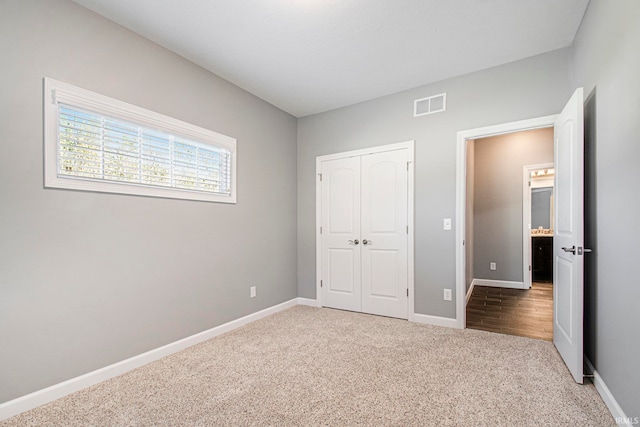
[[308, 366]]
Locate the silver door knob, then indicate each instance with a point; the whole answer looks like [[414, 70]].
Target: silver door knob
[[355, 242], [572, 249], [366, 242]]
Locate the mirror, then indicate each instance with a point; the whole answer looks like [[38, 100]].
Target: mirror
[[542, 208]]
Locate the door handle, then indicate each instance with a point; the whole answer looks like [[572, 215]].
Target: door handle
[[355, 242], [572, 249], [366, 242]]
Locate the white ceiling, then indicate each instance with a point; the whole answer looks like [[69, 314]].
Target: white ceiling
[[309, 56]]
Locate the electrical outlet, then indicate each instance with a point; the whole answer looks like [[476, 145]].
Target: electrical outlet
[[492, 266], [447, 294], [253, 292]]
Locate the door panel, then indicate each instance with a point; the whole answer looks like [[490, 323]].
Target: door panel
[[563, 296], [342, 277], [340, 229], [568, 290], [564, 200], [383, 196], [384, 227], [342, 209], [384, 273]]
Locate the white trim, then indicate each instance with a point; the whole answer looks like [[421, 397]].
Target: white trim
[[56, 391], [461, 165], [435, 320], [318, 233], [408, 145], [499, 283], [308, 302], [364, 151], [411, 236], [56, 92], [608, 398], [527, 262], [470, 291]]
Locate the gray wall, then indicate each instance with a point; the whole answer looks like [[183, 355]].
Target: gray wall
[[497, 226], [606, 62], [90, 279], [533, 87], [469, 216]]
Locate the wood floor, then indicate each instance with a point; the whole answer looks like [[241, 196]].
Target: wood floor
[[526, 313]]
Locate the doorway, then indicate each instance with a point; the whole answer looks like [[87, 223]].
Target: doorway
[[538, 223], [461, 203], [498, 237], [364, 242]]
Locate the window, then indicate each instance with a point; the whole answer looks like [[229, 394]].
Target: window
[[97, 143]]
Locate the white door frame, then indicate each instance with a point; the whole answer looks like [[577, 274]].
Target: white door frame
[[526, 221], [461, 192], [409, 146]]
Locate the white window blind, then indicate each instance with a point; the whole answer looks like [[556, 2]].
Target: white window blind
[[98, 147], [133, 151]]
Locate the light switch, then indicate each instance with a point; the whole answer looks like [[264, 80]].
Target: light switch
[[447, 224]]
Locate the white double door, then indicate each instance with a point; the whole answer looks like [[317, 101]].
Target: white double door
[[364, 233]]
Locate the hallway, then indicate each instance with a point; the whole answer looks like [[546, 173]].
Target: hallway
[[522, 312]]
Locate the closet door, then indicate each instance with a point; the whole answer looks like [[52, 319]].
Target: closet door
[[384, 233], [341, 263]]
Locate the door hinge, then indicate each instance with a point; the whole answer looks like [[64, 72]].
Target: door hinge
[[408, 166], [320, 283], [320, 229], [320, 175], [529, 268], [407, 229], [407, 291]]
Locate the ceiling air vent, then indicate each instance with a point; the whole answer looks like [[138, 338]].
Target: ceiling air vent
[[430, 105]]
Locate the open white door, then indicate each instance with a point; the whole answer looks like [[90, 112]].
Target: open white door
[[568, 291]]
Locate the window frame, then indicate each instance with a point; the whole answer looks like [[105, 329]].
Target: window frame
[[56, 93]]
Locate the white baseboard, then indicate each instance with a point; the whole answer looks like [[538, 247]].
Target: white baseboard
[[470, 291], [56, 391], [499, 283], [308, 301], [615, 409], [435, 320]]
